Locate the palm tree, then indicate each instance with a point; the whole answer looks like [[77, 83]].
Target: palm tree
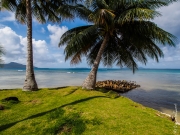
[[121, 32], [42, 10]]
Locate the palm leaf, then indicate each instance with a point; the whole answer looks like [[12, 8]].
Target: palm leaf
[[126, 21], [78, 43]]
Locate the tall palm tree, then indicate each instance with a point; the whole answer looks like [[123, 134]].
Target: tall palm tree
[[121, 32], [42, 10]]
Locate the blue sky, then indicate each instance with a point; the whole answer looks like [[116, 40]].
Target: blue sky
[[46, 38]]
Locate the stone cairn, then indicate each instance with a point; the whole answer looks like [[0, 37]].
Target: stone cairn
[[117, 85]]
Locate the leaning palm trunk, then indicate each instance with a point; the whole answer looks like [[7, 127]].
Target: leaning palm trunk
[[90, 81], [30, 82], [125, 21]]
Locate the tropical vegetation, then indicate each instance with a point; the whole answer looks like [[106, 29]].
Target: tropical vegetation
[[43, 11], [120, 32], [73, 111]]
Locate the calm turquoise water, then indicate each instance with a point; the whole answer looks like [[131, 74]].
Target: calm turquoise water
[[160, 88]]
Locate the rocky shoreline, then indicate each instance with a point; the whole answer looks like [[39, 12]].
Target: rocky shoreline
[[117, 85]]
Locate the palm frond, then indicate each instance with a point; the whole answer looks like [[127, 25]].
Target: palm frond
[[120, 5], [82, 12], [149, 30], [42, 10], [102, 17], [140, 14], [66, 37], [20, 13], [78, 43], [10, 4], [93, 52], [133, 37]]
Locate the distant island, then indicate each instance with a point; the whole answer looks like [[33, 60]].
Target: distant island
[[13, 65]]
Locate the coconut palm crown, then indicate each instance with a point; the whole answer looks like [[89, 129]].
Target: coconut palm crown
[[121, 32], [43, 11]]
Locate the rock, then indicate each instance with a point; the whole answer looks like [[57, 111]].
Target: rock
[[1, 107], [117, 85], [173, 118], [15, 99]]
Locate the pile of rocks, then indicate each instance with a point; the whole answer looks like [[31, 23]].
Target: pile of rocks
[[117, 85]]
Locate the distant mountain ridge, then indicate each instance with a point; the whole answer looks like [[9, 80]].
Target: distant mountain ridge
[[15, 65]]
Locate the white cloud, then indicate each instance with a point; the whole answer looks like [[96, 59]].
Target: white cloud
[[171, 53], [59, 58], [170, 19], [11, 43], [43, 30], [56, 33], [15, 47], [171, 58], [7, 16]]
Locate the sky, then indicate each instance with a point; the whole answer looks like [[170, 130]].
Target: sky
[[46, 37]]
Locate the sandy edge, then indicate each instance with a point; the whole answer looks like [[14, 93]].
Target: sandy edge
[[177, 123]]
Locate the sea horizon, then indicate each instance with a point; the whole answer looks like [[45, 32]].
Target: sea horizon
[[139, 68]]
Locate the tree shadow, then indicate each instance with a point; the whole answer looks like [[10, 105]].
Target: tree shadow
[[65, 123], [68, 91], [6, 126], [71, 91], [58, 88]]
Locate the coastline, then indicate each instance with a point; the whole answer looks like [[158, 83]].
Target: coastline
[[48, 110], [61, 87], [159, 88], [168, 115], [141, 96]]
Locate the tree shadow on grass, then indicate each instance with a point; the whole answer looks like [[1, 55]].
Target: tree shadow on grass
[[58, 88], [65, 123], [63, 127], [71, 91]]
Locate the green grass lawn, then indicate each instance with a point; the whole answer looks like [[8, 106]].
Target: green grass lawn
[[75, 111]]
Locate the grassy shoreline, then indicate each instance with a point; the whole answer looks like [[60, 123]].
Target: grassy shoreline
[[71, 110]]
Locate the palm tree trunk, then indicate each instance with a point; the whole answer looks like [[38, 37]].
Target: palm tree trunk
[[30, 82], [90, 81]]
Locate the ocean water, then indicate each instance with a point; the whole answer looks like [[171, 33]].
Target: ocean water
[[160, 88]]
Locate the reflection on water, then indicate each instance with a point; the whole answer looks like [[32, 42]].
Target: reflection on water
[[160, 89]]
